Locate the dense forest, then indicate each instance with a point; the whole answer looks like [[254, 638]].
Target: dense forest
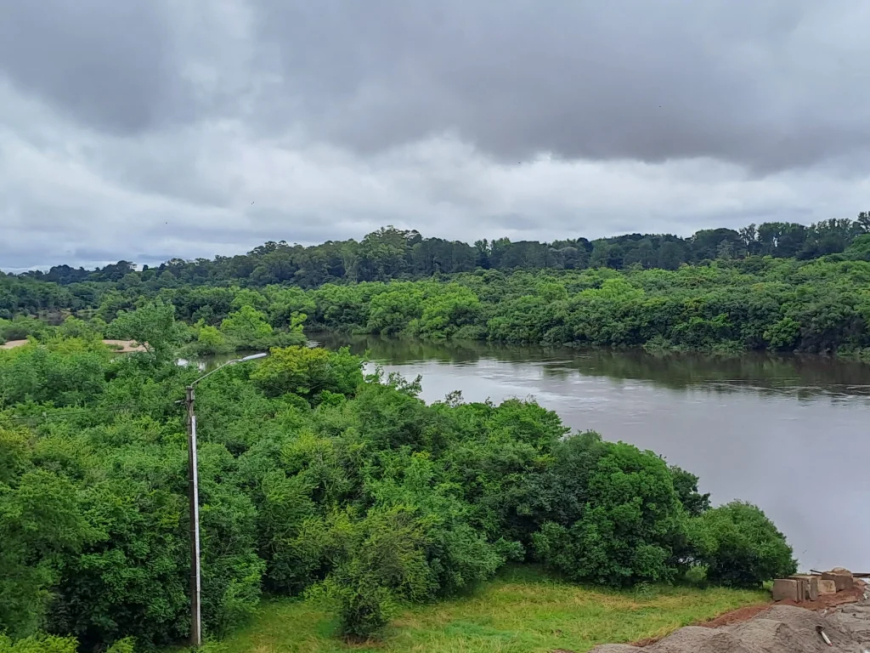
[[316, 480], [390, 254], [777, 287]]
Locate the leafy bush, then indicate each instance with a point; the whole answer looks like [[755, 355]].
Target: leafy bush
[[152, 325], [125, 645], [458, 556], [40, 643], [740, 546], [363, 605], [246, 325], [390, 312], [210, 340], [307, 372], [783, 335], [67, 372], [686, 487], [627, 526], [21, 327], [41, 521], [377, 562]]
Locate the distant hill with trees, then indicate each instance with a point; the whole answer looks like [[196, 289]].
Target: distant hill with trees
[[391, 253]]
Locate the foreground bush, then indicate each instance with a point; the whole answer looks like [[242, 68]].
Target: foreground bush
[[630, 516], [38, 644], [741, 546], [42, 643], [376, 563]]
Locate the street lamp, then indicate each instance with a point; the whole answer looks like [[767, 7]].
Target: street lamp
[[193, 496]]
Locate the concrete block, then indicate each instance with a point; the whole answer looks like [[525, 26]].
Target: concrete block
[[843, 581], [827, 586], [813, 588], [804, 590], [810, 586], [787, 589]]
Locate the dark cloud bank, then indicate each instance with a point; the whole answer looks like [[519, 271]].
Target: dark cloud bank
[[149, 127]]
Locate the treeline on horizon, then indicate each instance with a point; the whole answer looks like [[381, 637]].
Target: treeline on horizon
[[391, 253], [737, 301]]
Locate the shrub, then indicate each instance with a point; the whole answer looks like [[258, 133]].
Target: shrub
[[630, 521], [126, 645], [246, 324], [21, 327], [686, 487], [378, 562], [39, 644], [740, 546], [152, 325], [458, 555], [72, 375], [783, 335], [40, 522], [209, 340], [308, 372]]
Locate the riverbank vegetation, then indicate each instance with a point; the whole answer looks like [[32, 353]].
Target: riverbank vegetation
[[778, 305], [315, 482], [777, 287]]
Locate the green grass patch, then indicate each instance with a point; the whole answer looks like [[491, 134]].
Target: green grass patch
[[522, 611]]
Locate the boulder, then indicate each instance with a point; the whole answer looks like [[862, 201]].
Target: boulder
[[827, 586], [842, 578]]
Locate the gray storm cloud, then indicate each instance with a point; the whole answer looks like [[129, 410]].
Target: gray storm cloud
[[107, 64], [126, 127], [765, 84]]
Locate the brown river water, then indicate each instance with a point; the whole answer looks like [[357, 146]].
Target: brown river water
[[790, 434]]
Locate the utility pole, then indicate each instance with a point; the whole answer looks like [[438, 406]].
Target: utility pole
[[193, 496]]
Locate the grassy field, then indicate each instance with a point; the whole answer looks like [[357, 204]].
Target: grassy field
[[522, 611]]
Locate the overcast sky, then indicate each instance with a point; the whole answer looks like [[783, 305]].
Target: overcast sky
[[150, 129]]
